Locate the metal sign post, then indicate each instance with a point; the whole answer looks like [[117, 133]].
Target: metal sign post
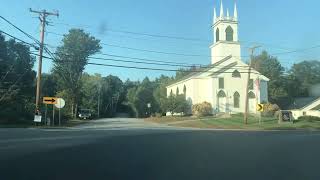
[[260, 109], [52, 115], [60, 104], [59, 117], [45, 115]]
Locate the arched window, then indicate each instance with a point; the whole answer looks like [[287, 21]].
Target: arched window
[[184, 90], [222, 94], [251, 95], [229, 33], [236, 74], [217, 35], [236, 100], [177, 91]]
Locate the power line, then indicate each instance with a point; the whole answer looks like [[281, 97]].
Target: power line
[[149, 51], [166, 36], [148, 68], [24, 42], [190, 55], [139, 62], [140, 33], [298, 50], [152, 60], [25, 33]]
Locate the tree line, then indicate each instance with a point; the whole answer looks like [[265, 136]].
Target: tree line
[[106, 96]]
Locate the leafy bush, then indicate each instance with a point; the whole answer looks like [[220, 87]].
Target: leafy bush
[[270, 110], [309, 118], [202, 109], [177, 104]]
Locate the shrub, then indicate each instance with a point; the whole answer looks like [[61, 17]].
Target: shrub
[[202, 109], [178, 104], [270, 110], [309, 118]]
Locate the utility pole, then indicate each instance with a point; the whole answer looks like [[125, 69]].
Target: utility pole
[[245, 117], [42, 16], [99, 99]]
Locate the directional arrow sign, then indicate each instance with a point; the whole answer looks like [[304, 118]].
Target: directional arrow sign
[[260, 107], [50, 100]]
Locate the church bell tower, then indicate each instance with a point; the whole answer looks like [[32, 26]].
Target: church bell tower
[[225, 32]]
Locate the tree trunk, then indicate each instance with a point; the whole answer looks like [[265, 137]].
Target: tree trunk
[[72, 105], [76, 111]]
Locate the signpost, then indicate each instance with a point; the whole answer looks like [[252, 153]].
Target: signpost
[[149, 108], [37, 118], [60, 104], [57, 102], [260, 108], [285, 116]]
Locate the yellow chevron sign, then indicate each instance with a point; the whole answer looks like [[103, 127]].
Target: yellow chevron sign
[[260, 107]]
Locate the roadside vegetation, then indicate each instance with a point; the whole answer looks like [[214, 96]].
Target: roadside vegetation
[[236, 122], [142, 99]]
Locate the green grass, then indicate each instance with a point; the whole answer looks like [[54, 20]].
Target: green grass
[[236, 122]]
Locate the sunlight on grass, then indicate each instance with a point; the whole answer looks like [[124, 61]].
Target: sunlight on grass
[[236, 122]]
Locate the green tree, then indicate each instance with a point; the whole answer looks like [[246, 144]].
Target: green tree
[[139, 98], [16, 81], [271, 68], [48, 85], [177, 104], [112, 95], [72, 57], [91, 92], [160, 93], [302, 76]]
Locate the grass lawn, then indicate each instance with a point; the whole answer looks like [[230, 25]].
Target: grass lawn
[[236, 122], [170, 119]]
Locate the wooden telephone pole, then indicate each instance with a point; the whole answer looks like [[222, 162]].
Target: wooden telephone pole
[[245, 117], [42, 16]]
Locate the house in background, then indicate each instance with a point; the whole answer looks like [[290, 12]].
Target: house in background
[[223, 83], [307, 106]]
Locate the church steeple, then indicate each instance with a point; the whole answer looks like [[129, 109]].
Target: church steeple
[[235, 12], [214, 15], [228, 15], [221, 10], [225, 31]]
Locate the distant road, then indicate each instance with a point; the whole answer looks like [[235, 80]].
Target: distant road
[[122, 123], [96, 151]]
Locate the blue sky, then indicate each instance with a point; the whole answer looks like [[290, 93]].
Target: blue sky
[[280, 26]]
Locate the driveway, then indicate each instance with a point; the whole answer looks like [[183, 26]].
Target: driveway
[[122, 123]]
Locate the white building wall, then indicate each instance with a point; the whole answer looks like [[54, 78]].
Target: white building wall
[[299, 113], [221, 50]]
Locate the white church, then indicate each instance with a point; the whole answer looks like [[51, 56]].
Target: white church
[[223, 83]]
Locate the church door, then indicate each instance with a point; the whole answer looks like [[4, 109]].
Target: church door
[[222, 101]]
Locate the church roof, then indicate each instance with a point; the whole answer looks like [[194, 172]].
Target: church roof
[[213, 70], [200, 71]]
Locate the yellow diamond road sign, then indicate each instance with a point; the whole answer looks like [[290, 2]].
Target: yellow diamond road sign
[[260, 107], [50, 100]]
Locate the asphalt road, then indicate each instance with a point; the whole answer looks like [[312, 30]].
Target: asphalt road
[[157, 153]]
